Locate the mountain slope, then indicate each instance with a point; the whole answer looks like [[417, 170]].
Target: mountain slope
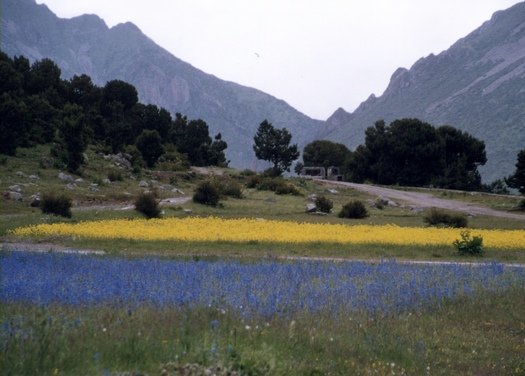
[[85, 44], [477, 85]]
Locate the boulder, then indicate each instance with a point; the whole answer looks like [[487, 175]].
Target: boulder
[[71, 186], [14, 196], [66, 177], [312, 197], [34, 177], [332, 191], [20, 174], [15, 188], [311, 208], [143, 184], [34, 200], [106, 181]]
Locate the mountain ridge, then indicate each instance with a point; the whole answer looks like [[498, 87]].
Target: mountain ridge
[[476, 85], [86, 45]]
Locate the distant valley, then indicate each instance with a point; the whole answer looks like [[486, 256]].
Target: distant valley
[[477, 85]]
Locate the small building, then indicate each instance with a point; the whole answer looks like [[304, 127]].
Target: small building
[[330, 173]]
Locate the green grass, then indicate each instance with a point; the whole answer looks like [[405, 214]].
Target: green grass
[[472, 336]]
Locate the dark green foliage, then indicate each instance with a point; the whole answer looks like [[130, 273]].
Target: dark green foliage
[[412, 152], [517, 180], [273, 145], [115, 175], [469, 245], [149, 144], [57, 204], [323, 153], [192, 139], [136, 156], [354, 209], [521, 205], [13, 124], [147, 204], [207, 193], [324, 204], [442, 218], [72, 137], [37, 106], [229, 187], [286, 188]]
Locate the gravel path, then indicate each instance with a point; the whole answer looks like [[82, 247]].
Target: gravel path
[[426, 200]]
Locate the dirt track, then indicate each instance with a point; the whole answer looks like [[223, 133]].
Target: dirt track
[[426, 200]]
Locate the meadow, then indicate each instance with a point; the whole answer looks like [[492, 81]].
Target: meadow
[[227, 290], [70, 313]]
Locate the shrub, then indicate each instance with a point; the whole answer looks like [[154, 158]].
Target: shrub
[[284, 188], [521, 205], [354, 209], [229, 187], [115, 175], [439, 217], [324, 204], [468, 244], [253, 181], [207, 193], [56, 204], [147, 204]]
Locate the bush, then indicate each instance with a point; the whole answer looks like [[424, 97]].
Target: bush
[[469, 245], [521, 205], [115, 175], [147, 204], [439, 217], [284, 188], [56, 204], [253, 181], [229, 187], [324, 204], [353, 209], [207, 193]]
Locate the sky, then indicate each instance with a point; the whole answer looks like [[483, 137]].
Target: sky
[[317, 55]]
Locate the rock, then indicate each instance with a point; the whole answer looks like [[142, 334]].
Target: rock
[[93, 188], [79, 180], [312, 197], [66, 177], [34, 200], [177, 190], [371, 203], [106, 181], [143, 184], [187, 211], [415, 209], [20, 174], [15, 188], [310, 208], [34, 177], [332, 191], [71, 186], [14, 196]]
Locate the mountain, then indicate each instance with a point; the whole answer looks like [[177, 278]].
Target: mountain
[[477, 85], [85, 44]]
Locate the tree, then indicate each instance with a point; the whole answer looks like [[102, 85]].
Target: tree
[[273, 145], [150, 145], [517, 180], [412, 152], [13, 124], [72, 137], [119, 91], [323, 153]]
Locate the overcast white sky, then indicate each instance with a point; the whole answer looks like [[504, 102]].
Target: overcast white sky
[[317, 55]]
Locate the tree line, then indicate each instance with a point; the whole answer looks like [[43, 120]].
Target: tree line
[[38, 107], [406, 152]]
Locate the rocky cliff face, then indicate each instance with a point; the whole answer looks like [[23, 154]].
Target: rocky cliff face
[[477, 85], [85, 44]]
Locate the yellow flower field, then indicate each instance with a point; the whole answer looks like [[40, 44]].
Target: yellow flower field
[[244, 230]]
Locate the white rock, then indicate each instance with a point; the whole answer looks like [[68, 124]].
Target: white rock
[[65, 177], [15, 188], [310, 208], [143, 184]]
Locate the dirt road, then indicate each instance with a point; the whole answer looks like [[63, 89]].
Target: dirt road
[[426, 200]]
